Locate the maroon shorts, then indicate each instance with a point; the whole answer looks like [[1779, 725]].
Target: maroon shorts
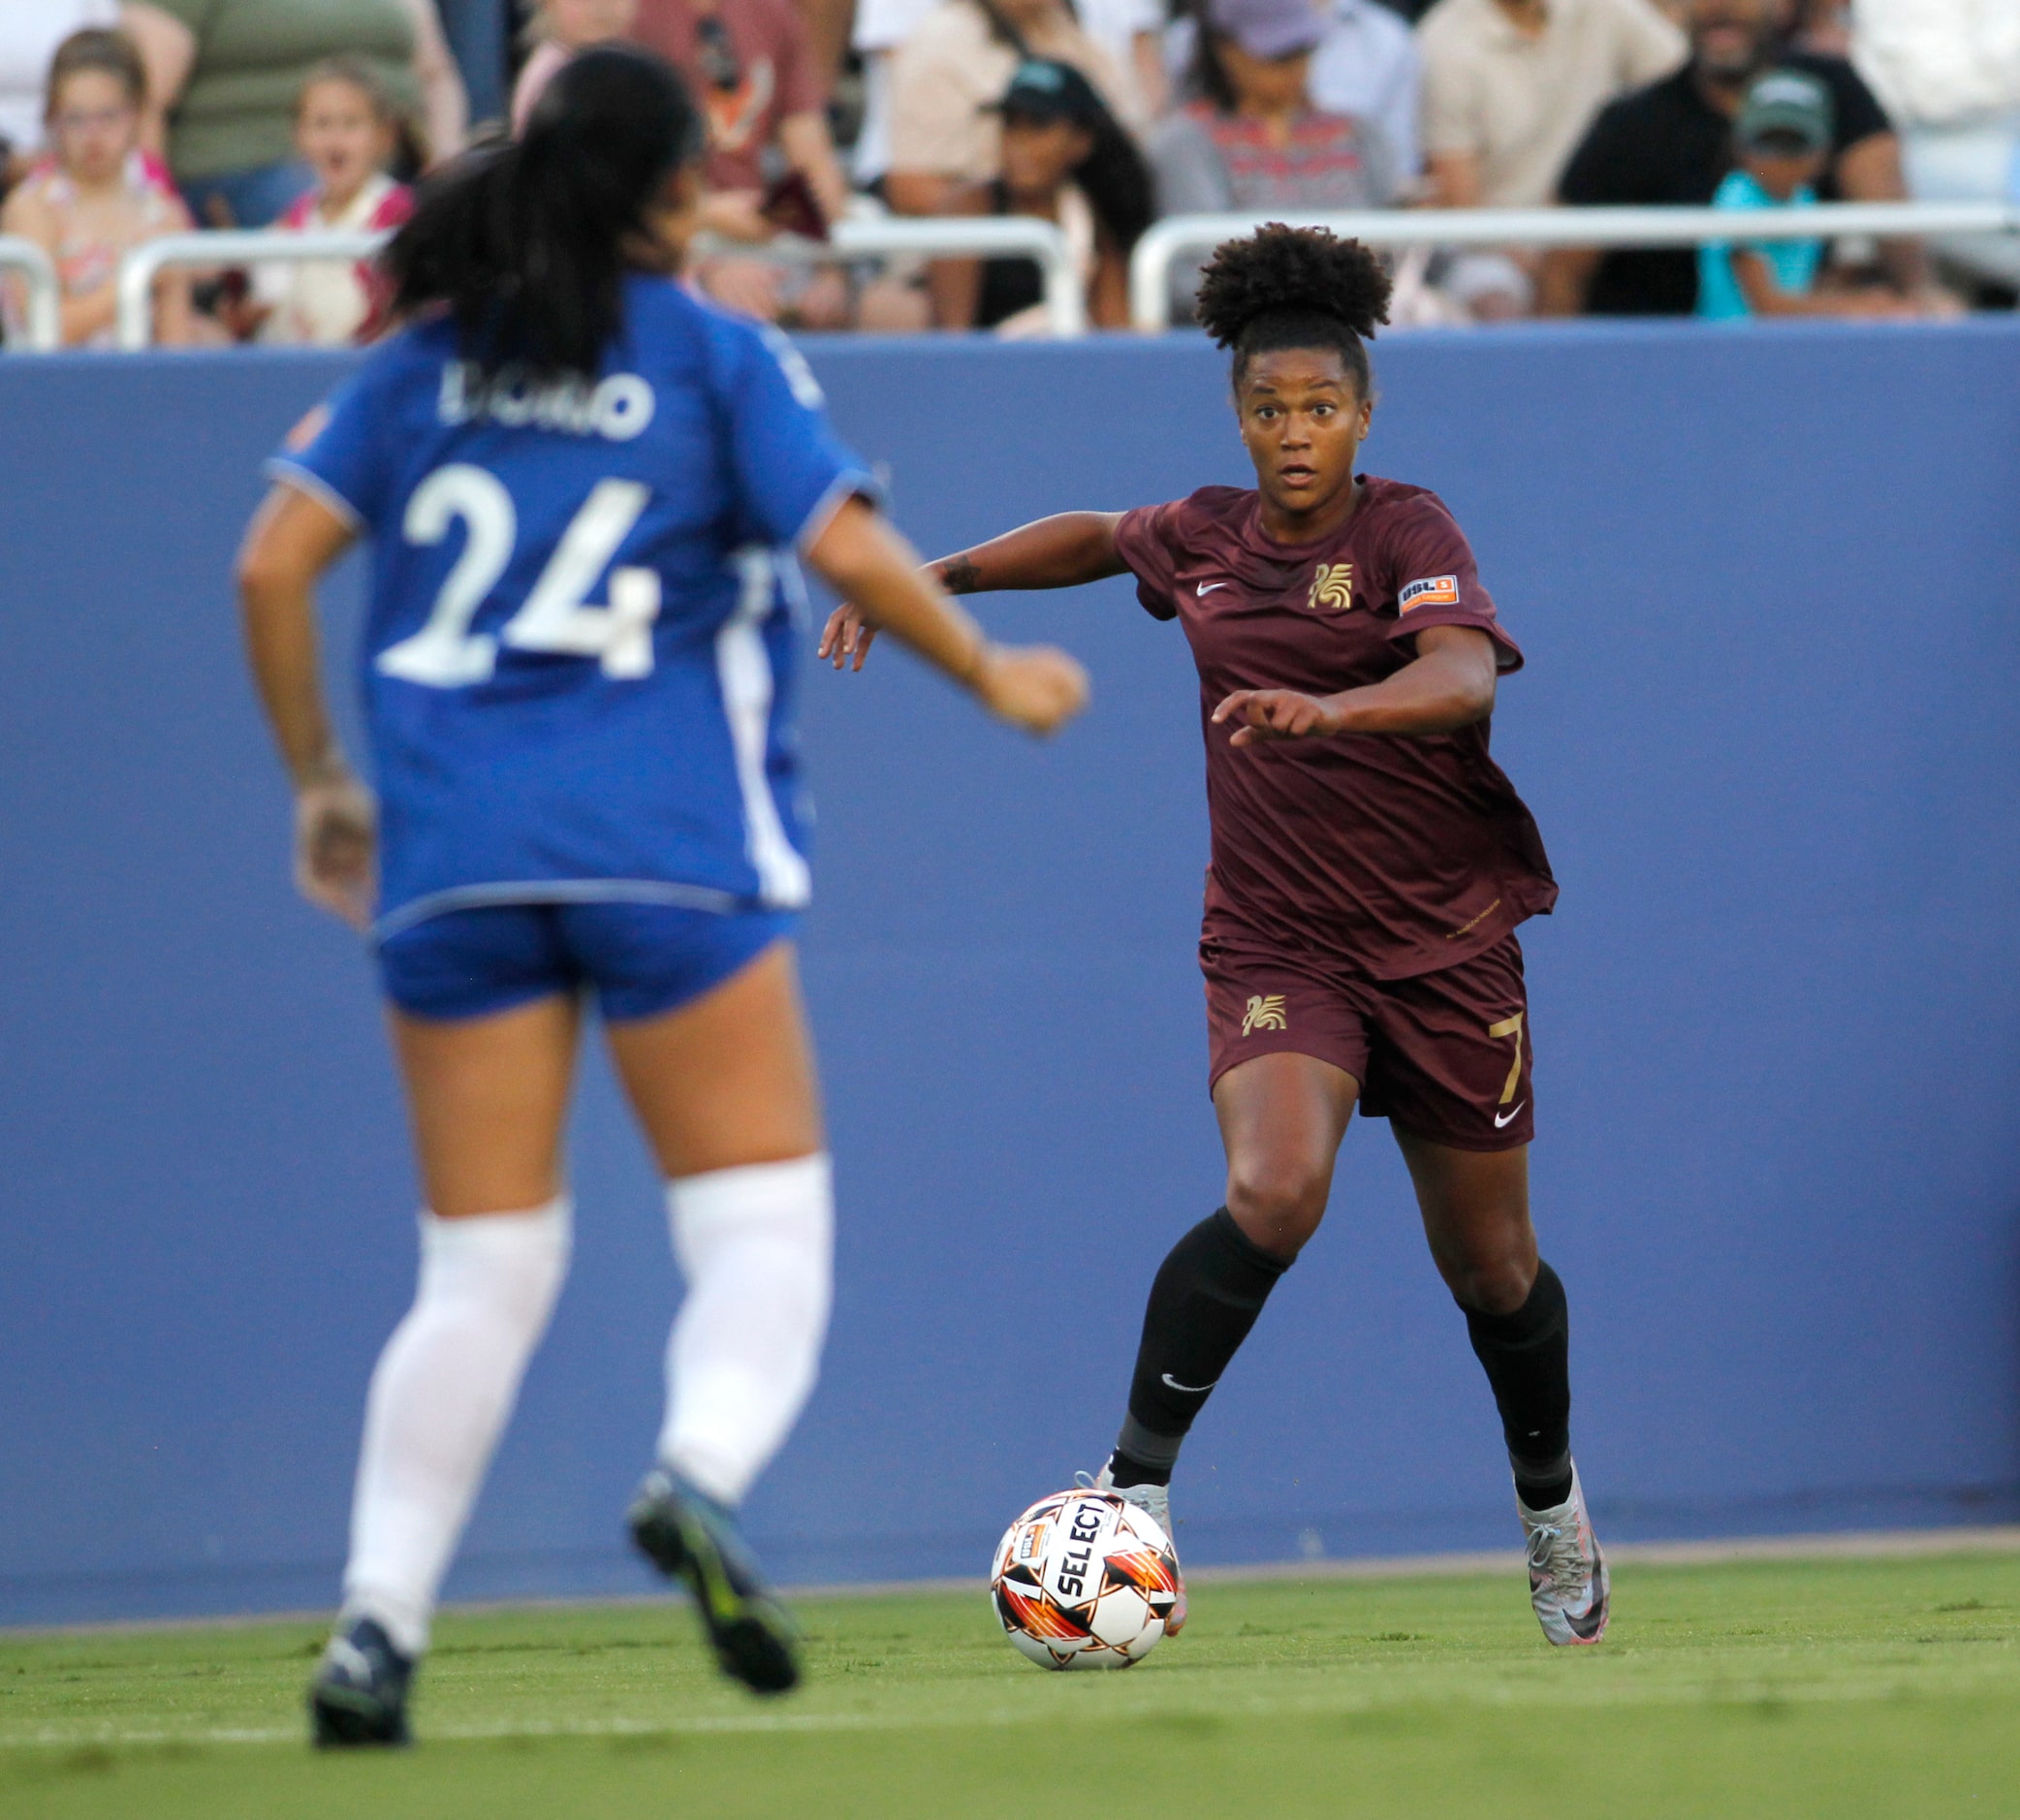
[[1446, 1055]]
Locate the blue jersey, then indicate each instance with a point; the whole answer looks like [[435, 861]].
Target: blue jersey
[[578, 664]]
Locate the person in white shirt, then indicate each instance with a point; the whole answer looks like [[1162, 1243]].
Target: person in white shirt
[[1949, 72], [1367, 66], [1130, 31], [1510, 87]]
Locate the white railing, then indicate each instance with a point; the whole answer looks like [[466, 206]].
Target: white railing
[[240, 246], [1182, 236], [44, 316], [988, 236], [944, 236]]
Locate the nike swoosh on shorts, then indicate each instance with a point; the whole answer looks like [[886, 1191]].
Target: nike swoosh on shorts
[[1192, 1390], [1501, 1120], [1203, 590]]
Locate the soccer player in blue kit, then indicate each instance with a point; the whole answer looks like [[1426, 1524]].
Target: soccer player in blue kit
[[584, 488]]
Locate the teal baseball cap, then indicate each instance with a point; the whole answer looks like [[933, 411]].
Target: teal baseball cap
[[1789, 106]]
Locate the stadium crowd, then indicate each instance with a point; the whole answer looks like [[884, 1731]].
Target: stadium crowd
[[122, 120]]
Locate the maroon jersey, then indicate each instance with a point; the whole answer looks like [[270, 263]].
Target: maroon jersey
[[1396, 857]]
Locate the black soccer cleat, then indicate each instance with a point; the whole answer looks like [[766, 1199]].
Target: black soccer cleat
[[358, 1697], [688, 1536]]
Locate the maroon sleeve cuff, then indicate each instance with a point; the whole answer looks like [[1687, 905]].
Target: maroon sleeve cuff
[[1507, 654], [1141, 544]]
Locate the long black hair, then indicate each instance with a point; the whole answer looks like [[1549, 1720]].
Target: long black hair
[[1117, 181], [1294, 288], [526, 243], [1112, 175], [1206, 76]]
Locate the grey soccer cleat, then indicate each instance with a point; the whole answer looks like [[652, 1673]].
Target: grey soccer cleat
[[1567, 1578], [359, 1696], [688, 1536], [1155, 1500]]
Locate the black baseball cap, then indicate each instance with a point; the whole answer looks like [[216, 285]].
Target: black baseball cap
[[1043, 89]]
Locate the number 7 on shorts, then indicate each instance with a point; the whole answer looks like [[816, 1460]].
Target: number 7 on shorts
[[1510, 1026]]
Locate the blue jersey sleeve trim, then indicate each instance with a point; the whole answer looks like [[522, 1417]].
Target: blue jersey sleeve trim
[[849, 483], [559, 891], [290, 473]]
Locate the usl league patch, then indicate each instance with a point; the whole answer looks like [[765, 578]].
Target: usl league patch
[[1437, 590]]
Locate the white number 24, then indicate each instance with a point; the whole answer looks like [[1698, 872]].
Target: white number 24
[[557, 617]]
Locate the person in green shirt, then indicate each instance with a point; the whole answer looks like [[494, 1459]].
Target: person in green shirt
[[230, 130]]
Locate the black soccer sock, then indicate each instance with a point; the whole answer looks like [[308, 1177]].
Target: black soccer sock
[[1206, 1296], [1527, 1356]]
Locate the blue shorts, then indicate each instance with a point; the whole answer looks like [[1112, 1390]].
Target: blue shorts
[[641, 958]]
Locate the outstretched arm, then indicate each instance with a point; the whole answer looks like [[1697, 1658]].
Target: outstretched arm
[[1065, 550], [866, 562], [1448, 685]]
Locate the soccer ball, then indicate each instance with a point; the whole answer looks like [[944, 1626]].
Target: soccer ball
[[1084, 1579]]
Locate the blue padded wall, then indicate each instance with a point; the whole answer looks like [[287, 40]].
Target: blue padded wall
[[1767, 584]]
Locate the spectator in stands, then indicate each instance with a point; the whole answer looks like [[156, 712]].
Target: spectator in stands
[[97, 194], [1128, 31], [30, 30], [479, 35], [1783, 147], [1132, 34], [1066, 160], [1368, 65], [347, 130], [1671, 143], [1251, 140], [565, 27], [1510, 87], [880, 27], [946, 134], [1949, 73], [230, 135], [1825, 27], [771, 164]]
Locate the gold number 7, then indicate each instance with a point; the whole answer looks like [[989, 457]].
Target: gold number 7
[[1510, 1026]]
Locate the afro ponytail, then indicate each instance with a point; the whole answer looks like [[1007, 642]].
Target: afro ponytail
[[1294, 288]]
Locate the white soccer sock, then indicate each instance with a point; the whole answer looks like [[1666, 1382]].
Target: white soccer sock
[[757, 1247], [441, 1395]]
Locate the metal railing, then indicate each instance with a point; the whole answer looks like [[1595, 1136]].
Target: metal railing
[[947, 236], [44, 324], [1181, 236], [240, 246]]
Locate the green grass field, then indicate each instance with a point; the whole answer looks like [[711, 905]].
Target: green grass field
[[1852, 1688]]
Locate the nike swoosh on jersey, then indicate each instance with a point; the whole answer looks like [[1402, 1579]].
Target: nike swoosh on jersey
[[1203, 590], [1192, 1390], [1504, 1120]]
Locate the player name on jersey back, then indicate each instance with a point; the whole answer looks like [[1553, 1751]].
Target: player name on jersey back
[[618, 407]]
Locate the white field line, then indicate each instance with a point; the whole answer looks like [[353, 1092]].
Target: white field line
[[1891, 1685], [1831, 1545]]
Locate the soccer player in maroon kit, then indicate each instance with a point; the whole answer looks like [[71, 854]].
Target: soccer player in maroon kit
[[1369, 865]]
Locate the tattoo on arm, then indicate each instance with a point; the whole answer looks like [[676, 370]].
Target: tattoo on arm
[[957, 575]]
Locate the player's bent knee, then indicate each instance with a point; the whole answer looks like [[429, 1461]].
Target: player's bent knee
[[1498, 1286], [1278, 1208]]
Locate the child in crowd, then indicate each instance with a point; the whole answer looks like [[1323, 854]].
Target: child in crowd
[[1066, 160], [95, 195], [1783, 140], [566, 26], [347, 129]]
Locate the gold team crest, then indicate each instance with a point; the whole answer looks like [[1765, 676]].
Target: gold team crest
[[1265, 1013], [1332, 588]]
